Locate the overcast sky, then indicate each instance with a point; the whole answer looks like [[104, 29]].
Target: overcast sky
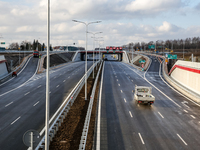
[[123, 21]]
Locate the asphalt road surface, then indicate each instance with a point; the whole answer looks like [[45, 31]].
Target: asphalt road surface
[[171, 123], [22, 100]]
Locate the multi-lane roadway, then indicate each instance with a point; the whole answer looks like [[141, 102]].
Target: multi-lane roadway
[[22, 100], [172, 122]]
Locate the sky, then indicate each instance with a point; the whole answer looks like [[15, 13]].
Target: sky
[[122, 21]]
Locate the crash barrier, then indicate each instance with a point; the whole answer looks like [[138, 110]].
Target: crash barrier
[[87, 119], [61, 113], [16, 68], [187, 92]]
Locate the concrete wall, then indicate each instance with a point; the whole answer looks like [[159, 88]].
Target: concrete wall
[[187, 74], [3, 68]]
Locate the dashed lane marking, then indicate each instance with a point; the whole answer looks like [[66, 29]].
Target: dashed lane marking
[[124, 100], [160, 115], [26, 93], [193, 116], [131, 114], [36, 104], [15, 120], [8, 104], [141, 138], [181, 139]]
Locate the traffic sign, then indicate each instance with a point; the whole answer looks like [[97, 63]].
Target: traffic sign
[[151, 46], [141, 61], [172, 56], [3, 42], [120, 48], [31, 138]]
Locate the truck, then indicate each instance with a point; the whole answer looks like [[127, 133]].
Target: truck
[[36, 53], [143, 95]]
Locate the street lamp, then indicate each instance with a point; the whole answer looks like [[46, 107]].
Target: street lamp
[[94, 47], [86, 24], [183, 48], [99, 44]]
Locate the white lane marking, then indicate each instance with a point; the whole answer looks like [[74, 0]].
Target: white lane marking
[[36, 104], [117, 79], [57, 86], [99, 112], [125, 100], [39, 86], [185, 111], [64, 80], [132, 80], [131, 114], [119, 84], [185, 105], [160, 115], [141, 138], [181, 139], [8, 104], [15, 120], [121, 91], [69, 77], [26, 93], [49, 92], [193, 116], [54, 77]]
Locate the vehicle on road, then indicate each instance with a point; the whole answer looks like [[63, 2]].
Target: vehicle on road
[[143, 95], [14, 74], [36, 53]]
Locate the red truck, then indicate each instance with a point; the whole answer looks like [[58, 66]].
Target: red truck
[[36, 53]]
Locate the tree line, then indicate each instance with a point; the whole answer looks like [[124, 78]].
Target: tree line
[[176, 44], [26, 46]]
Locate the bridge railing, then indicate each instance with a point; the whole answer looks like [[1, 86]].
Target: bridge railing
[[61, 113]]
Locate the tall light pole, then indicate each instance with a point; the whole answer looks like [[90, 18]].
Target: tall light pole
[[94, 47], [47, 79], [86, 24]]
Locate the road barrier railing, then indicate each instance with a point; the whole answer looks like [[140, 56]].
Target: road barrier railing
[[88, 116], [61, 113]]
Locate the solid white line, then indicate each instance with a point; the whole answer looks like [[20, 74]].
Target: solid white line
[[64, 80], [57, 86], [39, 86], [131, 114], [121, 91], [36, 104], [141, 138], [193, 116], [26, 93], [125, 100], [181, 139], [15, 120], [8, 104], [160, 114], [185, 111], [99, 113], [119, 84]]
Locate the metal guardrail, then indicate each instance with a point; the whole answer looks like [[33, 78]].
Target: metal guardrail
[[61, 113], [88, 116]]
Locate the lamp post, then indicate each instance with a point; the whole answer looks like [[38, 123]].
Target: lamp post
[[47, 80], [99, 44], [94, 47], [86, 24]]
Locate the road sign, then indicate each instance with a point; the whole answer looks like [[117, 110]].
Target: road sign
[[3, 43], [151, 46], [172, 56], [141, 61], [31, 138]]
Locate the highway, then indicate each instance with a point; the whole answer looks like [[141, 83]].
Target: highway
[[22, 100], [172, 122]]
